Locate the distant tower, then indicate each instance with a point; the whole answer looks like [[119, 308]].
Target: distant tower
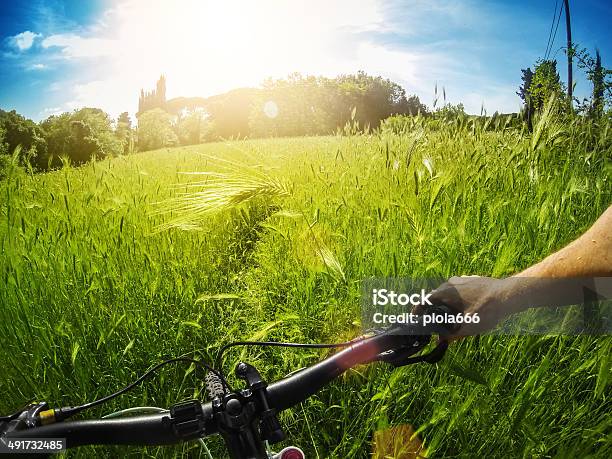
[[161, 90], [141, 101], [153, 99]]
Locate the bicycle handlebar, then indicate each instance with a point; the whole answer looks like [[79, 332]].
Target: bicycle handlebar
[[160, 428]]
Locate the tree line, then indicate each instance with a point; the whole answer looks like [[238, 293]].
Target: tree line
[[294, 106], [297, 105], [74, 137]]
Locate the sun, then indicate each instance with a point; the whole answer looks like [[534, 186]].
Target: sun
[[208, 47], [200, 43]]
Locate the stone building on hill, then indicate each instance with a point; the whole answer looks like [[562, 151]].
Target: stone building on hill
[[153, 99]]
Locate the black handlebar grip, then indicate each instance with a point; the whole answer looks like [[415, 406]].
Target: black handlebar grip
[[146, 430]]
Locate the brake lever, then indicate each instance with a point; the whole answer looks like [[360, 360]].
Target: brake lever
[[403, 356], [28, 417]]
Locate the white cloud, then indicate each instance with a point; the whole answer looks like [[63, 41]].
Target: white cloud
[[38, 66], [50, 111], [75, 46], [24, 40], [94, 94], [55, 86]]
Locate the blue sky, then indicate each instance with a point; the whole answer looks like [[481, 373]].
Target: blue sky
[[61, 55]]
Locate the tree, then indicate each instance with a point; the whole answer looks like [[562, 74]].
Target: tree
[[526, 78], [414, 106], [155, 130], [524, 94], [229, 112], [92, 135], [18, 130], [81, 135], [124, 132], [57, 134], [308, 105], [375, 98], [296, 105], [3, 146], [545, 83], [450, 111], [600, 77], [292, 106], [192, 127], [5, 160]]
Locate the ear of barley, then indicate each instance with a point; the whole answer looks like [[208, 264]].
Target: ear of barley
[[218, 192]]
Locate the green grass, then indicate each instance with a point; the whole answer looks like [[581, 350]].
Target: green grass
[[98, 282]]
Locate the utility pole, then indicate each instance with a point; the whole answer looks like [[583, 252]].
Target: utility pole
[[570, 51]]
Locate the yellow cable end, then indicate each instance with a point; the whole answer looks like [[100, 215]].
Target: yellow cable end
[[47, 417]]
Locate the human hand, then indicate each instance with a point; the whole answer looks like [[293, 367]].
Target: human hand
[[488, 297]]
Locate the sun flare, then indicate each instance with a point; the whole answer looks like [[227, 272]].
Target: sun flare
[[205, 47]]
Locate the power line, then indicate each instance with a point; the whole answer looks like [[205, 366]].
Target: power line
[[556, 28], [552, 25], [551, 42]]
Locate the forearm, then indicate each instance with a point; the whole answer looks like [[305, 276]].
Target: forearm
[[588, 256], [581, 271], [562, 278]]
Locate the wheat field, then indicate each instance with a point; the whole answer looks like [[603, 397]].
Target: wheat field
[[109, 268]]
